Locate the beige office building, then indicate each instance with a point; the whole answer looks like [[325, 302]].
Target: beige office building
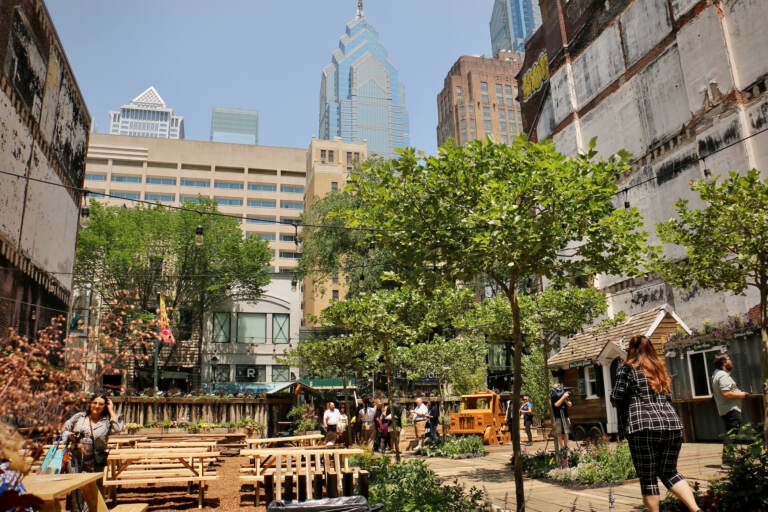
[[261, 184], [329, 163], [479, 98]]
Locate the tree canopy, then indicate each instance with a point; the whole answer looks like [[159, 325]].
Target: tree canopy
[[502, 212], [726, 244], [149, 250]]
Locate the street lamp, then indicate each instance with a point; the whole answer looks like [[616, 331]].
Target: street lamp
[[214, 362]]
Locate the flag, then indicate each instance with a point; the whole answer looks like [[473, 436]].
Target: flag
[[165, 325]]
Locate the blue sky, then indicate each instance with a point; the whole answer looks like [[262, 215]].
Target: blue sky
[[259, 54]]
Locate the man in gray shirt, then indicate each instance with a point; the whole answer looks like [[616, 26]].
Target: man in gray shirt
[[728, 398]]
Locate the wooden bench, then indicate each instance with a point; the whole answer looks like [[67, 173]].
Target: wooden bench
[[301, 473], [268, 442], [160, 466], [130, 507]]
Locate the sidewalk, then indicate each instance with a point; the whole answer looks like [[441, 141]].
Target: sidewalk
[[493, 473]]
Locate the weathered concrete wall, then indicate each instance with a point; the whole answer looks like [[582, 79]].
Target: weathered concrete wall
[[644, 24], [748, 39], [600, 64]]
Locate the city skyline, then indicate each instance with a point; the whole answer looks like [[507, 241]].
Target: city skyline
[[266, 56]]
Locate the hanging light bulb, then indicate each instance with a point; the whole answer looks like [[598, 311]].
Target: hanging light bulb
[[85, 217], [199, 235]]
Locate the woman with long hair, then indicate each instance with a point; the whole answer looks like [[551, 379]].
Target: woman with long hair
[[88, 432], [650, 424]]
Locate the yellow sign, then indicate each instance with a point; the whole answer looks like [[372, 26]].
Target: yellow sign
[[536, 75]]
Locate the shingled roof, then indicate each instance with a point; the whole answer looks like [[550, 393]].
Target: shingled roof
[[589, 344]]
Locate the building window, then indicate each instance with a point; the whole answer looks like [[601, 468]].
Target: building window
[[226, 201], [294, 189], [487, 120], [484, 92], [228, 185], [280, 373], [263, 187], [499, 96], [463, 124], [330, 156], [126, 195], [458, 94], [126, 178], [356, 156], [220, 373], [156, 180], [251, 328], [323, 156], [591, 382], [221, 328], [334, 186], [287, 238], [264, 236], [508, 98], [291, 205], [260, 220], [195, 183], [700, 367], [335, 278], [281, 328], [262, 203], [291, 255], [96, 177], [190, 199], [160, 198], [250, 373], [335, 295], [349, 157]]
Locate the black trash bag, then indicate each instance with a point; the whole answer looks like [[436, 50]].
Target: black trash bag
[[343, 504]]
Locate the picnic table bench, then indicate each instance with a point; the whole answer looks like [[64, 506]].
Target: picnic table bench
[[300, 472], [268, 442], [160, 466]]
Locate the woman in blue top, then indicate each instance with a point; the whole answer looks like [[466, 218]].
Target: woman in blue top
[[650, 424]]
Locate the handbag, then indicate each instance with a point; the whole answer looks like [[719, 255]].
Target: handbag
[[53, 462]]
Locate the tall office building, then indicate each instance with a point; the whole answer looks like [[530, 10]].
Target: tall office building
[[479, 98], [512, 22], [361, 96], [146, 116], [236, 126]]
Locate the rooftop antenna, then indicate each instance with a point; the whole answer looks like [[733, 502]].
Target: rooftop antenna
[[360, 9]]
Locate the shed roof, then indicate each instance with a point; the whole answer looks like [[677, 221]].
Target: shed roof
[[589, 344]]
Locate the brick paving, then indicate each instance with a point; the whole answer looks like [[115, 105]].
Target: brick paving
[[493, 473]]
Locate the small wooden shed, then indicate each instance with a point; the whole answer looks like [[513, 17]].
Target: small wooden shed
[[587, 363], [689, 363]]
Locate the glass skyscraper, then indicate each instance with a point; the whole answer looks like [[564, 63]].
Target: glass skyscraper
[[146, 116], [361, 96], [512, 22], [235, 125]]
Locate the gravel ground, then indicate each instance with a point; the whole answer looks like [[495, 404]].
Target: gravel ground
[[223, 494]]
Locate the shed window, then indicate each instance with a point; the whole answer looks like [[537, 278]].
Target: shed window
[[592, 382], [700, 368]]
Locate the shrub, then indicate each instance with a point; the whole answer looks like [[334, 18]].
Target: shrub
[[597, 465], [412, 487], [745, 486], [457, 447]]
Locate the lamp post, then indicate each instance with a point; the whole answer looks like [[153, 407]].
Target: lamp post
[[214, 362]]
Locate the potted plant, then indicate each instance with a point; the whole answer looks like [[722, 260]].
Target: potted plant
[[304, 420], [132, 428], [252, 427]]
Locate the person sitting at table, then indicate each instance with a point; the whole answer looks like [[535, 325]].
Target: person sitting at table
[[87, 433]]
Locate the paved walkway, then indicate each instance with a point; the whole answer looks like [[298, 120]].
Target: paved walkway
[[493, 473]]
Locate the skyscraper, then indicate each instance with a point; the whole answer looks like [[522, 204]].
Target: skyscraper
[[361, 96], [512, 22], [235, 125], [146, 116], [479, 98]]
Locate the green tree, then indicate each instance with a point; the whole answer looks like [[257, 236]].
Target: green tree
[[503, 212], [726, 245], [148, 250]]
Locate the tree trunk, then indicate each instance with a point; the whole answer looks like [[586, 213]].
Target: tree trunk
[[388, 369], [764, 352], [517, 385]]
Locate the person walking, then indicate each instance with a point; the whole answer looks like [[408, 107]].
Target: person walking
[[433, 421], [88, 432], [647, 419], [330, 423], [728, 399], [342, 426], [527, 411], [368, 427]]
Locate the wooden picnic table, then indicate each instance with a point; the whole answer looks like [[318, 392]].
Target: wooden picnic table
[[288, 466], [209, 445], [51, 488], [304, 440], [121, 441], [141, 466]]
